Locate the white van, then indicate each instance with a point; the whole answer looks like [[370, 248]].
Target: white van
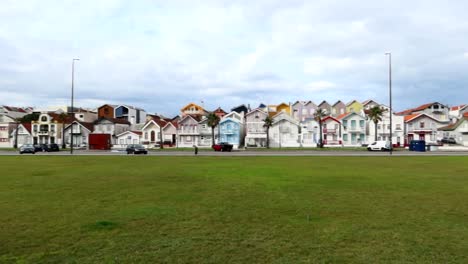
[[379, 145]]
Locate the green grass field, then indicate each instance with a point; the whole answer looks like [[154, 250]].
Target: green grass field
[[233, 209]]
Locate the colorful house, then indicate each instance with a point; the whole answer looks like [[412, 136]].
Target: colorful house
[[231, 129], [187, 131], [354, 106], [338, 108], [302, 110], [353, 129], [331, 131], [193, 109], [255, 131], [324, 105], [421, 126]]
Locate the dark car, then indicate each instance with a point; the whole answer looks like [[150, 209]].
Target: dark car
[[27, 148], [223, 146], [53, 148], [136, 149], [449, 140], [40, 147]]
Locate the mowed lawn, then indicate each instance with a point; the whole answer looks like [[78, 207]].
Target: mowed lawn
[[233, 209]]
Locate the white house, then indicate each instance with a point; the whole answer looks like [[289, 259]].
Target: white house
[[309, 132], [132, 114], [458, 131], [127, 138], [111, 126], [48, 128], [255, 131], [80, 132], [422, 127], [24, 135], [285, 131], [187, 131], [204, 131], [8, 122]]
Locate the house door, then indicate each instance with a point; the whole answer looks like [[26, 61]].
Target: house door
[[173, 138], [153, 136], [422, 137]]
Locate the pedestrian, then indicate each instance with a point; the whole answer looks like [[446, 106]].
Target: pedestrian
[[196, 149]]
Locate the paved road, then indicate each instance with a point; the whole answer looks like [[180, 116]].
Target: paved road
[[249, 153]]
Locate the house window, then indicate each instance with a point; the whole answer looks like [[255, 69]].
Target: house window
[[52, 128], [44, 118], [204, 126], [421, 124], [345, 137], [388, 127], [146, 135], [304, 111], [345, 123], [361, 123], [52, 140], [35, 128], [3, 128], [398, 127], [378, 127]]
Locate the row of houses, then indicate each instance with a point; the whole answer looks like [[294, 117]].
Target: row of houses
[[293, 125]]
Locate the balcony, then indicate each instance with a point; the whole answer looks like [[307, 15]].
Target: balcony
[[228, 131], [187, 132], [329, 130], [43, 133], [355, 129]]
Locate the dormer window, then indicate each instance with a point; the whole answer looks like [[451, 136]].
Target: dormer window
[[44, 118]]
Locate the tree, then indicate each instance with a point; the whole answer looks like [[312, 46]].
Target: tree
[[318, 116], [62, 118], [268, 122], [375, 114], [213, 121]]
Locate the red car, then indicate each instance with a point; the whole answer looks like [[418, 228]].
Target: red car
[[223, 146]]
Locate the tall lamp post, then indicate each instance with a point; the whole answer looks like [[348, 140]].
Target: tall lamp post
[[389, 54], [72, 109]]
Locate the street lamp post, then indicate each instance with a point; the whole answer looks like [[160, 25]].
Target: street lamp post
[[389, 54], [72, 109]]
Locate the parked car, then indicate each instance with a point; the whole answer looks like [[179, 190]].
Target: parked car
[[136, 149], [379, 146], [53, 148], [40, 147], [27, 148], [449, 140], [223, 146]]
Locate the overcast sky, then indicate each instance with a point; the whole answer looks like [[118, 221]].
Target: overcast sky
[[160, 55]]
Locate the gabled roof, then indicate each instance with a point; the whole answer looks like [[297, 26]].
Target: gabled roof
[[157, 121], [14, 109], [219, 110], [412, 117], [87, 125], [323, 102], [129, 107], [330, 117], [416, 109], [283, 116], [192, 104], [453, 126], [138, 133], [310, 102], [197, 118], [344, 115], [256, 110], [368, 101], [458, 107], [353, 101], [27, 126], [338, 102]]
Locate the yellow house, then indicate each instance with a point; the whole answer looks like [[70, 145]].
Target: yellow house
[[275, 109], [193, 109], [354, 106]]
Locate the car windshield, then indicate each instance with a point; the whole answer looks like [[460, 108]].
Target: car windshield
[[28, 146], [138, 146]]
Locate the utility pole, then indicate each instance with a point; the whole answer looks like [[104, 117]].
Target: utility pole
[[72, 109], [389, 54]]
